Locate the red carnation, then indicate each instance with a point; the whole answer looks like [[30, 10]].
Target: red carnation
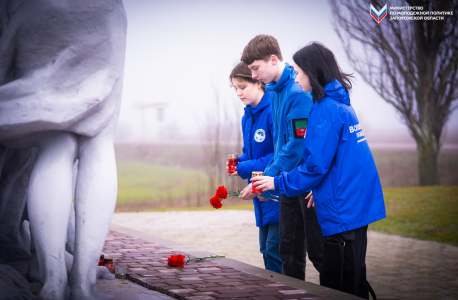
[[176, 261], [221, 192], [216, 202]]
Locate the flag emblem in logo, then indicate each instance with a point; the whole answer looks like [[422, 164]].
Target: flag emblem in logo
[[378, 15]]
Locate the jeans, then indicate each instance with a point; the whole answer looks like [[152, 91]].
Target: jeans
[[269, 244], [300, 234]]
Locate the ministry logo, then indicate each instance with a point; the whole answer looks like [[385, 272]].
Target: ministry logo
[[378, 15]]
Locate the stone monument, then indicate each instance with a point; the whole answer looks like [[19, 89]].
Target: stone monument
[[61, 72]]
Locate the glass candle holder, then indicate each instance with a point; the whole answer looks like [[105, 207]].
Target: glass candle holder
[[254, 174], [121, 271], [232, 161], [109, 264]]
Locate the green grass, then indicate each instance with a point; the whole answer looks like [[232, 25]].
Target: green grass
[[144, 182], [426, 213]]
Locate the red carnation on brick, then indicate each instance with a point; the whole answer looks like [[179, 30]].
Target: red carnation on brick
[[221, 192], [176, 261], [216, 202]]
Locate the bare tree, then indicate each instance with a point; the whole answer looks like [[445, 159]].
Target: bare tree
[[221, 135], [413, 65], [211, 136]]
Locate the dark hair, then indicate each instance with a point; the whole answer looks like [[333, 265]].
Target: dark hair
[[241, 71], [261, 47], [320, 65]]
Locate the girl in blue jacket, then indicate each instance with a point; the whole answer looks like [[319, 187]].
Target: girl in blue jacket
[[257, 152], [340, 170]]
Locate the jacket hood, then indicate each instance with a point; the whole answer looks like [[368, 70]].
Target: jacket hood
[[287, 74], [256, 110], [336, 91]]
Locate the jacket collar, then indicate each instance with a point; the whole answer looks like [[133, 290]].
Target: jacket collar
[[288, 73], [256, 110]]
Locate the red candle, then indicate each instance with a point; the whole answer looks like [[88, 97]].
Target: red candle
[[109, 264], [232, 161], [254, 174], [101, 259]]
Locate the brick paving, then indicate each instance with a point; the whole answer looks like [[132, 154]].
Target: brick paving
[[398, 268], [147, 266]]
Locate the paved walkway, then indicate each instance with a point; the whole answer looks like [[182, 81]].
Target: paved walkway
[[218, 278], [398, 268]]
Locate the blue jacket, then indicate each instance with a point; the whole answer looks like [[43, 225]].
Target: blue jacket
[[257, 151], [339, 167], [290, 111]]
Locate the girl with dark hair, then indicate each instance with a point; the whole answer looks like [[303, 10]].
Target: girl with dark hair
[[321, 67], [257, 152], [340, 170]]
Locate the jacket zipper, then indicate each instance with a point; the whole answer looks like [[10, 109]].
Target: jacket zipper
[[251, 131]]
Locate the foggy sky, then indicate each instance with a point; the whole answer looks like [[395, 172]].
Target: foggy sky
[[179, 53]]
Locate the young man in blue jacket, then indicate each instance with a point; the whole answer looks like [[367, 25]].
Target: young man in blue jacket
[[258, 150], [299, 230]]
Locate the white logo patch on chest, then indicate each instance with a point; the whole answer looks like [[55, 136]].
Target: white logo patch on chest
[[260, 135]]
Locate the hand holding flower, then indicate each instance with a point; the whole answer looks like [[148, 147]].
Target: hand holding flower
[[247, 193], [222, 193]]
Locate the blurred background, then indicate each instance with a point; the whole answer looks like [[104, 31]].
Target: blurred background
[[180, 118]]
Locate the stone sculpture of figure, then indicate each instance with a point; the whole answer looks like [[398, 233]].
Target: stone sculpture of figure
[[61, 67]]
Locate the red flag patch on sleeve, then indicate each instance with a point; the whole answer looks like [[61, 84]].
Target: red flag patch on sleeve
[[300, 127]]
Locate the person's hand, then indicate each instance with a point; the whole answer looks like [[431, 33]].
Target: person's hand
[[261, 198], [310, 198], [227, 170], [263, 183], [247, 193]]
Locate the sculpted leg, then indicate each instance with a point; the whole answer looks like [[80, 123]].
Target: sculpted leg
[[50, 194], [96, 190]]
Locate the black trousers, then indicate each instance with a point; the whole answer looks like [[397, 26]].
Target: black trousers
[[300, 234], [344, 262]]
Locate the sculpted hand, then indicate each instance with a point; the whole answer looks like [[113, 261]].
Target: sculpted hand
[[311, 202], [247, 193], [264, 183]]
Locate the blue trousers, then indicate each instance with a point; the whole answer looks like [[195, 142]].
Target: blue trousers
[[269, 244]]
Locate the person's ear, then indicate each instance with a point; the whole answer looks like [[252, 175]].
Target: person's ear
[[274, 59]]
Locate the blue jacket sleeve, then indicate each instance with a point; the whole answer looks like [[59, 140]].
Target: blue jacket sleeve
[[245, 168], [321, 143], [290, 154], [242, 157]]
